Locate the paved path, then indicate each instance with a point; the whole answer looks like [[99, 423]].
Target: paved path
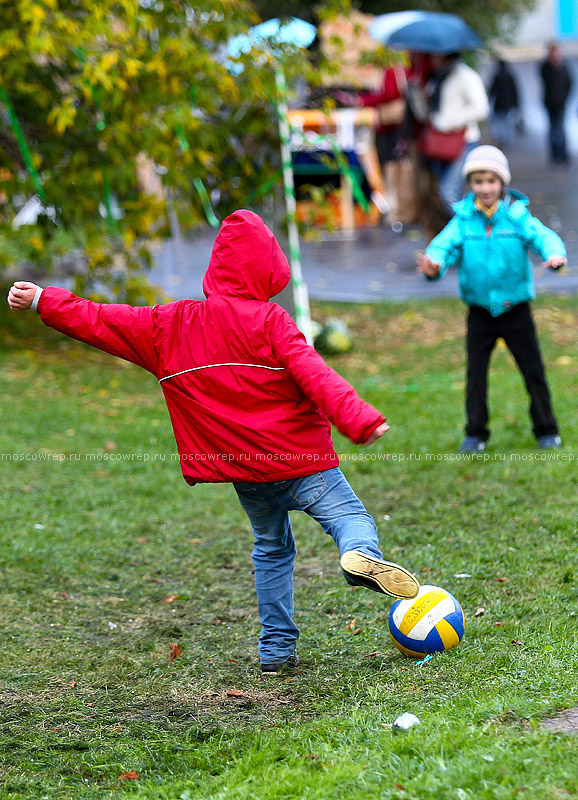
[[380, 264]]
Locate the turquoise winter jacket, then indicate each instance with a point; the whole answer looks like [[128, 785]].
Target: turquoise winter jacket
[[495, 271]]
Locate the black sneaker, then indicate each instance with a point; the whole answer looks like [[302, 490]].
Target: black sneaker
[[278, 667], [550, 441], [381, 576], [472, 444]]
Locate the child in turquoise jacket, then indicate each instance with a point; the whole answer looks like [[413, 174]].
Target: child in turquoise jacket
[[488, 239]]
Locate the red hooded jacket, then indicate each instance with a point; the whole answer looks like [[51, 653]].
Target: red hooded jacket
[[249, 399]]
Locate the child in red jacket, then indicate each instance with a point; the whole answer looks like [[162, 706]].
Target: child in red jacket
[[251, 403]]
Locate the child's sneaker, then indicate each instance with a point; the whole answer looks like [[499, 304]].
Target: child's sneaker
[[277, 667], [550, 441], [381, 576], [472, 444]]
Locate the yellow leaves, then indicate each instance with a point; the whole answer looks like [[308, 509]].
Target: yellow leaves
[[37, 13], [158, 66], [63, 117], [37, 243], [205, 158], [108, 61], [132, 67]]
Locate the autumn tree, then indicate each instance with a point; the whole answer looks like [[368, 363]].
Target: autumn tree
[[88, 88]]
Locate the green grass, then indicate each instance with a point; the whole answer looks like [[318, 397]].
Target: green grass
[[87, 691]]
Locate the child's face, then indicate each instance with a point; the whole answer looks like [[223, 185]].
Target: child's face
[[486, 186]]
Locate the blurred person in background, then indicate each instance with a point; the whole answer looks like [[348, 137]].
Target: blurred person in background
[[457, 101], [557, 84], [505, 101]]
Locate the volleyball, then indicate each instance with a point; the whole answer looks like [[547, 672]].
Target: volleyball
[[430, 622]]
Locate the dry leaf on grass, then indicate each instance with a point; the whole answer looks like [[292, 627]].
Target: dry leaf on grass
[[171, 598], [129, 775], [479, 612], [351, 625], [175, 650], [235, 693]]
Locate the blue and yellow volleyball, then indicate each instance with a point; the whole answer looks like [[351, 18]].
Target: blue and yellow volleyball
[[430, 622]]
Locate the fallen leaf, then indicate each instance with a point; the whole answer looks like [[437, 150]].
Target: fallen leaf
[[469, 476], [356, 631], [129, 775], [27, 488], [70, 685], [479, 612], [196, 541], [426, 569], [399, 786], [157, 580], [351, 625], [216, 621], [142, 539], [109, 447], [518, 642], [498, 624], [502, 579], [235, 693], [171, 598], [375, 654], [175, 650]]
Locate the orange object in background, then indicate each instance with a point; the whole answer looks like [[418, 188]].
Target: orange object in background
[[353, 130]]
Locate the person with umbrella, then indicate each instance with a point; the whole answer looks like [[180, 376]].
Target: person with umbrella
[[453, 100], [456, 104]]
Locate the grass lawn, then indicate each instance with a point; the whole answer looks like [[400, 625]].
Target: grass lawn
[[107, 557]]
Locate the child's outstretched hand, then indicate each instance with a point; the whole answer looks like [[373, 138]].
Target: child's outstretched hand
[[426, 266], [377, 434], [21, 295], [555, 262]]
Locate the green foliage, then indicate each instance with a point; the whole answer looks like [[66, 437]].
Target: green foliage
[[95, 83]]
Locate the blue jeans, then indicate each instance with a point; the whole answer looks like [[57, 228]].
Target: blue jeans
[[328, 498]]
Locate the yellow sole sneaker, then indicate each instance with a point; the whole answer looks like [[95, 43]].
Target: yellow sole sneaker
[[381, 576]]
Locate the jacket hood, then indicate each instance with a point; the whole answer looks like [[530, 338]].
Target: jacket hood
[[516, 204], [246, 260]]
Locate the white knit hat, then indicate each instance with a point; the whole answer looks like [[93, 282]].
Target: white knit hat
[[490, 159]]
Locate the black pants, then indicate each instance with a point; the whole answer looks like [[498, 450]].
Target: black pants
[[517, 329]]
